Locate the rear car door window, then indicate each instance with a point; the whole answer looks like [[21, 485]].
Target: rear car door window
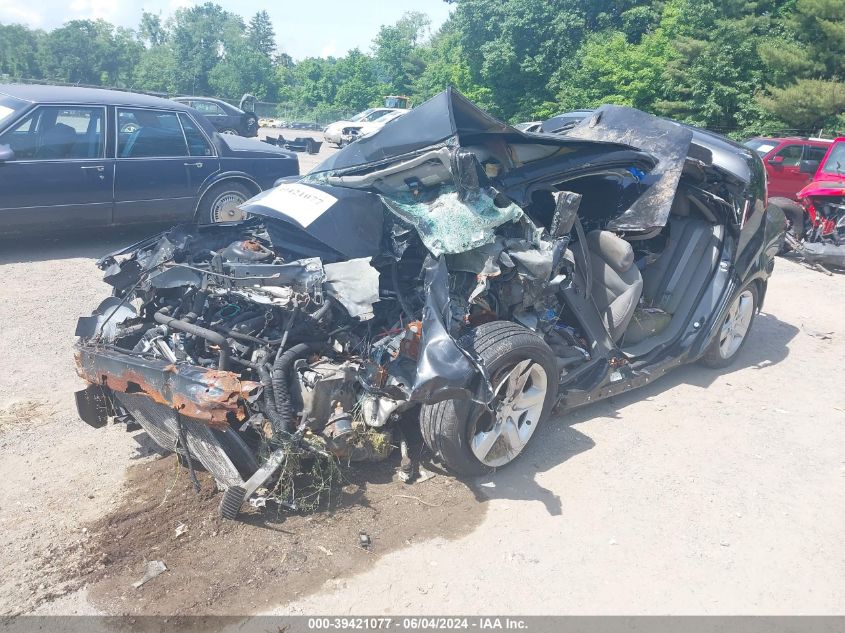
[[814, 153], [150, 134], [791, 155], [208, 108], [198, 144], [58, 133]]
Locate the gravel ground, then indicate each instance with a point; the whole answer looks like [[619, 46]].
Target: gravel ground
[[704, 492]]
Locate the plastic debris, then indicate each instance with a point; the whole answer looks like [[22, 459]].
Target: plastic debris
[[364, 541], [154, 568]]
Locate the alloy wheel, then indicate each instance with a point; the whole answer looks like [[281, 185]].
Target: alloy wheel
[[518, 404], [736, 324]]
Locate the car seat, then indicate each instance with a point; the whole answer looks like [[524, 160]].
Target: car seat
[[56, 142], [616, 282]]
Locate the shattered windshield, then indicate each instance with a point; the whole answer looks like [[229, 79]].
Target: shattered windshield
[[449, 225]]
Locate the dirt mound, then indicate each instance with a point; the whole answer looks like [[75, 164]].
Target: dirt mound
[[268, 557]]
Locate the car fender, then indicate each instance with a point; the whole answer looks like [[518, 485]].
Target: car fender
[[222, 176]]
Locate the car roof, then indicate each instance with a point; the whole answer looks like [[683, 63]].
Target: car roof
[[190, 98], [223, 104], [38, 93]]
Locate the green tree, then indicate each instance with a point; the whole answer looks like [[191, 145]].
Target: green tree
[[806, 66], [397, 50], [19, 51], [151, 29], [198, 36], [89, 52], [261, 35], [357, 81]]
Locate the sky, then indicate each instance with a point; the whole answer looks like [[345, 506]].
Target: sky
[[303, 28]]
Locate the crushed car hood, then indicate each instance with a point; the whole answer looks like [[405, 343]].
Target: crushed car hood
[[823, 188], [347, 221]]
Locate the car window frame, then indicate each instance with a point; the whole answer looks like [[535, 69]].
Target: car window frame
[[86, 106], [787, 145], [209, 140], [220, 110], [117, 110], [814, 146]]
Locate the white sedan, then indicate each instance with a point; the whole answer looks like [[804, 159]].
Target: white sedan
[[362, 124]]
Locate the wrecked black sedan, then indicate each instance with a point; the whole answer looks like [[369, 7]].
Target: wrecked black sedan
[[449, 268]]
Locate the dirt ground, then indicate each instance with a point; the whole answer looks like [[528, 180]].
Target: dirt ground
[[705, 492]]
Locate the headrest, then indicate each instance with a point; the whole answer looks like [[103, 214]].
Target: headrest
[[611, 248]]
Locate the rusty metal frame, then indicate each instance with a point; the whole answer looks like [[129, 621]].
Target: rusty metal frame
[[206, 395]]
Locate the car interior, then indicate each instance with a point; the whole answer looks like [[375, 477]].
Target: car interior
[[56, 133], [644, 285], [148, 134]]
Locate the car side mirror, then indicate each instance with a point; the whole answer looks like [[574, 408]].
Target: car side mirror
[[6, 153], [776, 160], [809, 166]]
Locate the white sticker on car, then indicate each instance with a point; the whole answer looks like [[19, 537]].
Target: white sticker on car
[[298, 202]]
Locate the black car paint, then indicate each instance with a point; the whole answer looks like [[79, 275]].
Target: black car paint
[[244, 123], [76, 193], [751, 237]]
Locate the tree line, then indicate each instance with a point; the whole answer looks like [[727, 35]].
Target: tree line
[[737, 66]]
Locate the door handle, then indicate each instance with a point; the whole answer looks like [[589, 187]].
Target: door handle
[[197, 165], [97, 167]]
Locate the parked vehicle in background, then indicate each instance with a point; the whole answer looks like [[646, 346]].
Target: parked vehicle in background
[[273, 123], [335, 132], [225, 117], [78, 157], [353, 132], [398, 101], [790, 162], [818, 224]]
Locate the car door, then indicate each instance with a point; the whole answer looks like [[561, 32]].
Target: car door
[[784, 167], [155, 175], [59, 175], [214, 113]]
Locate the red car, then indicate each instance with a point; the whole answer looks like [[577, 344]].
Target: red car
[[824, 198], [790, 162]]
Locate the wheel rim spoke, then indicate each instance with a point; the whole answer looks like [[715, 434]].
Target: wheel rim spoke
[[736, 324], [520, 395], [483, 442]]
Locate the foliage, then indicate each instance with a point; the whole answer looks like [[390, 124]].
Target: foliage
[[737, 66]]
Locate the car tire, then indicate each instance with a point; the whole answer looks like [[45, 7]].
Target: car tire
[[459, 430], [795, 215], [220, 202], [733, 329], [230, 130]]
